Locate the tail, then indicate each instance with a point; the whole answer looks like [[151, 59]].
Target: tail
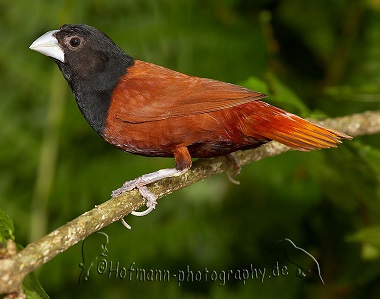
[[276, 124]]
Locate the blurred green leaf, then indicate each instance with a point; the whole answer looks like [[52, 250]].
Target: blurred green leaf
[[6, 227], [284, 96], [32, 288], [370, 239], [367, 235], [256, 84], [371, 156]]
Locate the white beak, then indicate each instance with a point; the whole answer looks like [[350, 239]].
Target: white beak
[[48, 45]]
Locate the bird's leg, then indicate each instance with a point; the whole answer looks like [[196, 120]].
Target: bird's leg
[[235, 168], [183, 163]]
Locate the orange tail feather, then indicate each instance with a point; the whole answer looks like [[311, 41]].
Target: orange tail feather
[[277, 124]]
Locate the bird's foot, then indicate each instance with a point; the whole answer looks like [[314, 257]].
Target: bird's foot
[[236, 167], [140, 183]]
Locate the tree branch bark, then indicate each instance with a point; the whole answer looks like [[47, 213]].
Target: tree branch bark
[[15, 266]]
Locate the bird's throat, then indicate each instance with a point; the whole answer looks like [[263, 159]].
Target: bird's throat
[[93, 94]]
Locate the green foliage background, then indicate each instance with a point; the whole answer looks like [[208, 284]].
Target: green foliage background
[[316, 58]]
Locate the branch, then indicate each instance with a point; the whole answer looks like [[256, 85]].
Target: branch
[[14, 267]]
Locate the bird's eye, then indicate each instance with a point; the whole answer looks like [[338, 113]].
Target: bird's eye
[[75, 42]]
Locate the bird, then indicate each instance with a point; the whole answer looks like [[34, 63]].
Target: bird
[[149, 110]]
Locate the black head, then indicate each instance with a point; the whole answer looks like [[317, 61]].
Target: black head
[[89, 53], [91, 63]]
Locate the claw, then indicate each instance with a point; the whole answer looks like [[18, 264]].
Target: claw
[[140, 183], [125, 223], [231, 179], [151, 201], [235, 167]]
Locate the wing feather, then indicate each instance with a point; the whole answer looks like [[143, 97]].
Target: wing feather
[[150, 92]]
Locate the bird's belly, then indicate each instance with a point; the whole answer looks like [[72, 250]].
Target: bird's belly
[[204, 135], [198, 149], [214, 149]]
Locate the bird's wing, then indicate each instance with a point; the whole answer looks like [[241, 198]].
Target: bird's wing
[[149, 93]]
